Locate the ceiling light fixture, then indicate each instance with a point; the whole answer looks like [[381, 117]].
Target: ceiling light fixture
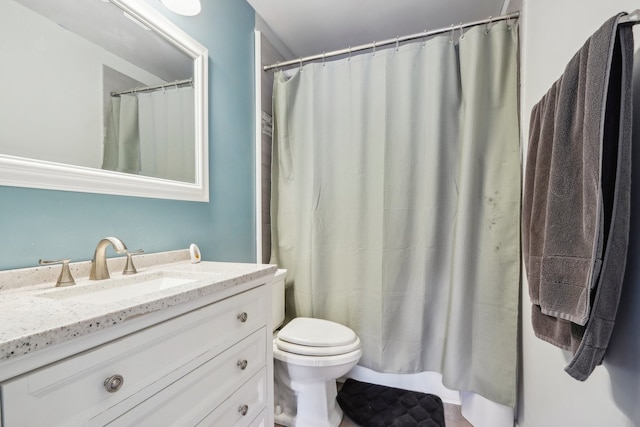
[[183, 7]]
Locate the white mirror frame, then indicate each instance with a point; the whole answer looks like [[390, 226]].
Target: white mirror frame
[[23, 172]]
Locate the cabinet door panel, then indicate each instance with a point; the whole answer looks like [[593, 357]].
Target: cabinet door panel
[[188, 400], [252, 395], [72, 392], [261, 420]]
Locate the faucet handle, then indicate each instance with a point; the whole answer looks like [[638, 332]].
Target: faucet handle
[[65, 278], [129, 268]]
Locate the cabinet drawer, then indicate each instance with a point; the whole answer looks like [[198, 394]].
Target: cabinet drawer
[[261, 420], [252, 396], [72, 392], [188, 400]]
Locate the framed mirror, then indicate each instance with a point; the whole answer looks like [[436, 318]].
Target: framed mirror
[[102, 96]]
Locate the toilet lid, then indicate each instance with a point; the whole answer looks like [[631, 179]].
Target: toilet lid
[[317, 333], [316, 337]]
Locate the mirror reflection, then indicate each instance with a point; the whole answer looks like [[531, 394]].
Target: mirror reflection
[[85, 84]]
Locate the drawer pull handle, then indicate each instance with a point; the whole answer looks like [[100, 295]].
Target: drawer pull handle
[[113, 383], [243, 317], [243, 409], [242, 364]]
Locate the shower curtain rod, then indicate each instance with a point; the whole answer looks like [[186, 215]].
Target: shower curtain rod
[[397, 40], [150, 88]]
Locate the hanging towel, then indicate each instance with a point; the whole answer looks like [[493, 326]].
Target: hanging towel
[[576, 198], [617, 197]]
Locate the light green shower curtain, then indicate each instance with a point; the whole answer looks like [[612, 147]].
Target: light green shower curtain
[[152, 134], [167, 134], [396, 200], [122, 138]]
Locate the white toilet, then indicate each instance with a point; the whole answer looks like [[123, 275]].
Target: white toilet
[[308, 356]]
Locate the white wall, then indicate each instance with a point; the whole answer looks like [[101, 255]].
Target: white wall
[[275, 41], [51, 85], [552, 31]]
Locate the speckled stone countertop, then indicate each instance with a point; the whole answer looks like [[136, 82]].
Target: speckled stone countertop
[[34, 314]]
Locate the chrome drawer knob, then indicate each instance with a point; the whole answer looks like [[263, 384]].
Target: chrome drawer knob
[[243, 410], [243, 317], [113, 383], [242, 364]]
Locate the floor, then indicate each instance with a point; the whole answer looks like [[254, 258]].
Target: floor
[[453, 418]]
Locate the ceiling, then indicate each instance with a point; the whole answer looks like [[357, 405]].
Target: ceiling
[[105, 25], [309, 27]]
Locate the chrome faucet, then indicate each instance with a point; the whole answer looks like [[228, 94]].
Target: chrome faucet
[[99, 269]]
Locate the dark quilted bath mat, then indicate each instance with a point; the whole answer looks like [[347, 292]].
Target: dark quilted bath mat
[[371, 405]]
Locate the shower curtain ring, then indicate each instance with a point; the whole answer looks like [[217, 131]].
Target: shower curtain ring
[[451, 34], [424, 39], [374, 49], [486, 31], [349, 60], [397, 43], [323, 63], [461, 31], [509, 24], [300, 64]]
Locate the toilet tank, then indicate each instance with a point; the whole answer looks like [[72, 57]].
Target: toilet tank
[[277, 306]]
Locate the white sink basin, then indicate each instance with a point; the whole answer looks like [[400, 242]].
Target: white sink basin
[[125, 287]]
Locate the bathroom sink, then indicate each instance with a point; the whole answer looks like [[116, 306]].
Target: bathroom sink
[[125, 287]]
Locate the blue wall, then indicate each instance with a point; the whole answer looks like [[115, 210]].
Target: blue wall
[[55, 224]]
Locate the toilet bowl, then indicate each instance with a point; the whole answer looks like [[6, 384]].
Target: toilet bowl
[[309, 355]]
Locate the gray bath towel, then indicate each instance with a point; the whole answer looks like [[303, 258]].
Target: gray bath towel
[[576, 198], [617, 194], [563, 212]]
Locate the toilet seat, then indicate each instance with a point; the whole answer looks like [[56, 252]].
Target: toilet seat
[[304, 350], [316, 337], [317, 361]]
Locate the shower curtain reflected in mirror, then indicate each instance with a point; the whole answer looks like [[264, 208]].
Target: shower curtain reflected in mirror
[[122, 138], [152, 134], [396, 203]]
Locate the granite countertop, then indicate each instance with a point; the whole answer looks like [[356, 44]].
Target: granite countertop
[[39, 315]]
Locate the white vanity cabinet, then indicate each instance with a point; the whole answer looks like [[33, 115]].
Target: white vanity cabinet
[[208, 367]]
